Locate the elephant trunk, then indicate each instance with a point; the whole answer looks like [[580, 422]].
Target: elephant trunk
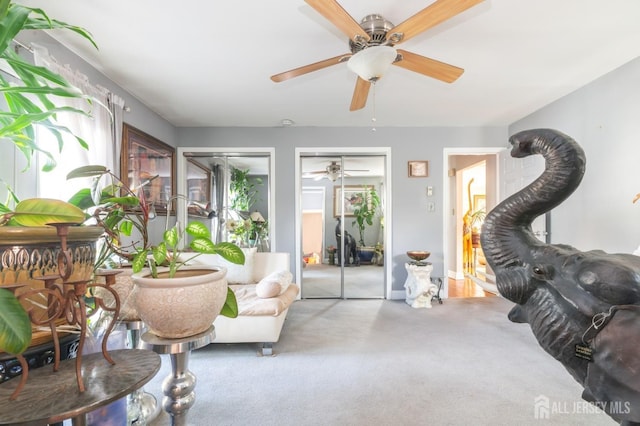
[[507, 238]]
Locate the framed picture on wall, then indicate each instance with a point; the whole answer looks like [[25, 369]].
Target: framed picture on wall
[[148, 163], [418, 168], [347, 200]]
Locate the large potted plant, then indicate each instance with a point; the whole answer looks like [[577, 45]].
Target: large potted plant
[[175, 299], [365, 207], [124, 214], [29, 101]]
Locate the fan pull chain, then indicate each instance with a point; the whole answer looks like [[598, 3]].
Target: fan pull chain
[[374, 119]]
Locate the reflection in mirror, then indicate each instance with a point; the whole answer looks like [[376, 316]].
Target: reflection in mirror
[[145, 158], [343, 204], [199, 190], [232, 190]]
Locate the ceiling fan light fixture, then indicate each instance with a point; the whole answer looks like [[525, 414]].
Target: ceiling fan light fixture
[[371, 63]]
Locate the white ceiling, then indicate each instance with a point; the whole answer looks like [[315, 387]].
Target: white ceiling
[[208, 63]]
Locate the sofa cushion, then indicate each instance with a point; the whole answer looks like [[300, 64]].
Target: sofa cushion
[[250, 304], [266, 289], [283, 278]]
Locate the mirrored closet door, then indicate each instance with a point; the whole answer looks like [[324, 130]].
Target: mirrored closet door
[[342, 220], [231, 192]]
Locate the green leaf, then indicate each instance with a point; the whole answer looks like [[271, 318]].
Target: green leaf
[[198, 229], [160, 253], [43, 211], [125, 201], [230, 252], [15, 325], [230, 308], [113, 219], [126, 227], [87, 171], [139, 261], [12, 23], [171, 237], [203, 245], [82, 199]]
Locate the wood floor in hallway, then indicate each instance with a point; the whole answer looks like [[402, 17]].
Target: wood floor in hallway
[[466, 288]]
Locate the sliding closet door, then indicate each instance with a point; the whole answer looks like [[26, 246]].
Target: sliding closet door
[[335, 189], [321, 274], [364, 193]]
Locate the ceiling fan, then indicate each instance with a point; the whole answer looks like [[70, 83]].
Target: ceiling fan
[[332, 171], [372, 45]]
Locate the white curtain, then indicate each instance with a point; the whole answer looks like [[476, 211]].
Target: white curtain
[[102, 131]]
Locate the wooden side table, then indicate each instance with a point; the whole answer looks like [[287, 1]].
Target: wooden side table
[[51, 397], [179, 387]]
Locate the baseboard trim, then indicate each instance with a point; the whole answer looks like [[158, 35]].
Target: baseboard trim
[[456, 275]]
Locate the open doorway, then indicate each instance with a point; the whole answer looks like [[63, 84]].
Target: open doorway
[[471, 190]]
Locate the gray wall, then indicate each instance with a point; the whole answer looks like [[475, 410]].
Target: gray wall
[[604, 118], [412, 226]]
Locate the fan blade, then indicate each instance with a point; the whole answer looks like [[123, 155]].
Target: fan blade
[[360, 94], [309, 68], [437, 12], [427, 66], [339, 17]]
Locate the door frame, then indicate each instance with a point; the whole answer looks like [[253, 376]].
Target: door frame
[[448, 209], [388, 220]]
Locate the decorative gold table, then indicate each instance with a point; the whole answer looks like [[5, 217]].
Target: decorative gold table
[[51, 397]]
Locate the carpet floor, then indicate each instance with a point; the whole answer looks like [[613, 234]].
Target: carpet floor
[[380, 362], [360, 282]]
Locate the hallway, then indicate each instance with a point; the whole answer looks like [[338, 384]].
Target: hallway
[[466, 288]]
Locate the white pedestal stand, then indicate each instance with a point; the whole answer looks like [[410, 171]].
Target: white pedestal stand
[[420, 290]]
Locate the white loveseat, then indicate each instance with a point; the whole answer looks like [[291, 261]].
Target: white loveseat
[[260, 319]]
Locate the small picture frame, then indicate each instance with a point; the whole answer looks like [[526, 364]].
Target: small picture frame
[[418, 168]]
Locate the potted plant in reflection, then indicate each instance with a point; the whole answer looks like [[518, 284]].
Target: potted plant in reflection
[[365, 206], [331, 251], [175, 299]]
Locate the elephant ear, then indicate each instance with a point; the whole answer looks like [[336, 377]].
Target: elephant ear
[[614, 375]]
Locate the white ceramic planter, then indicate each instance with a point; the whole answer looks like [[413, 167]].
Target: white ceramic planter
[[182, 306]]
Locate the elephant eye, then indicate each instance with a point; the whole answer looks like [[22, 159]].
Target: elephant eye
[[541, 272]]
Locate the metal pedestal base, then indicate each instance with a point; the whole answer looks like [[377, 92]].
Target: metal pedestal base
[[142, 406], [179, 387]]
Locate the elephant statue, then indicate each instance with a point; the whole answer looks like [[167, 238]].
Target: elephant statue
[[349, 246], [582, 307]]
